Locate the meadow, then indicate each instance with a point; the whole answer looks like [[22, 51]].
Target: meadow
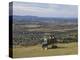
[[37, 51]]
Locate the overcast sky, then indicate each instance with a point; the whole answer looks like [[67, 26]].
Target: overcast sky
[[44, 10]]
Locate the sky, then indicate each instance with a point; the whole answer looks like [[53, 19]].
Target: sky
[[44, 10]]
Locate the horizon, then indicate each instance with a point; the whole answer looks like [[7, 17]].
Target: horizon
[[44, 17]]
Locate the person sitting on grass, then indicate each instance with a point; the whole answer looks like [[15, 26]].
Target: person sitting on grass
[[45, 43]]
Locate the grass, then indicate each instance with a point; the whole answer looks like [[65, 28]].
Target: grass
[[37, 51]]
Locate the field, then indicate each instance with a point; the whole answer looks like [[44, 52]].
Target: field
[[37, 51]]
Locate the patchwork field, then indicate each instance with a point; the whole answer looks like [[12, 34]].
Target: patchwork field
[[37, 51]]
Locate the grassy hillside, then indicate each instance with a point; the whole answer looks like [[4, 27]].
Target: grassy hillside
[[36, 51]]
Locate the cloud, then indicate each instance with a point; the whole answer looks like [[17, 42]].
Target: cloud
[[45, 10]]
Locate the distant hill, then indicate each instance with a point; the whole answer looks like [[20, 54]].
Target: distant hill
[[45, 19]]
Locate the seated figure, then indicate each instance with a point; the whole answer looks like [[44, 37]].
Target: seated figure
[[45, 43]]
